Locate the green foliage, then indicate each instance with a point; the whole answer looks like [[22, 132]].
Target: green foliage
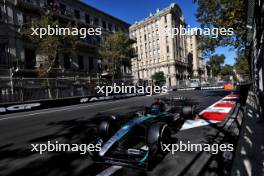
[[49, 45], [215, 63], [116, 50], [227, 70], [241, 65], [159, 78], [222, 14]]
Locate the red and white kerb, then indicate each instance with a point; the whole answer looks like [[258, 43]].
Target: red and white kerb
[[219, 110]]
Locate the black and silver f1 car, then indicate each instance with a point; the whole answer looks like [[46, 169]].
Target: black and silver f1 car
[[137, 141]]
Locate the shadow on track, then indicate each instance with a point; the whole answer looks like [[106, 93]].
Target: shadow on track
[[21, 160]]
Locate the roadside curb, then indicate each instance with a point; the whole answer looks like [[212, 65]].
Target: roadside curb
[[231, 128]]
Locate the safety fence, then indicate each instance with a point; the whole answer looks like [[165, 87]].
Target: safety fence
[[30, 89]]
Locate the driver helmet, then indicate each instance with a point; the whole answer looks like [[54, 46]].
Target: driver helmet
[[154, 109]]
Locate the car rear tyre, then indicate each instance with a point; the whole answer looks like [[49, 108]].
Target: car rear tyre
[[106, 126], [158, 134], [187, 112]]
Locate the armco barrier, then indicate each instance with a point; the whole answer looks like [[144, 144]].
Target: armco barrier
[[43, 104], [202, 88]]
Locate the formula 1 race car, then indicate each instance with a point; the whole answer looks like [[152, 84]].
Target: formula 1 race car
[[137, 141]]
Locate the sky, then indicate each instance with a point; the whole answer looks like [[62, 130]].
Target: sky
[[136, 10]]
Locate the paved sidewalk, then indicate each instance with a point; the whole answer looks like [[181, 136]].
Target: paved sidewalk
[[249, 157]]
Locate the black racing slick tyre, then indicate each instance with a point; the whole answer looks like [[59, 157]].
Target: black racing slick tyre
[[187, 112], [106, 127], [158, 134]]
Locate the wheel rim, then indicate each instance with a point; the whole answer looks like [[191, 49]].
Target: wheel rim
[[165, 136]]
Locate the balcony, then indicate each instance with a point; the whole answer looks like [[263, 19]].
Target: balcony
[[30, 5], [180, 63], [87, 42], [64, 14], [37, 6]]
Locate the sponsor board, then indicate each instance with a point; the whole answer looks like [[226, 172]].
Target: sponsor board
[[19, 107]]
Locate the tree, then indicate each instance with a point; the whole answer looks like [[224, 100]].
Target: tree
[[117, 51], [159, 78], [215, 63], [49, 45], [227, 71], [242, 66], [222, 14]]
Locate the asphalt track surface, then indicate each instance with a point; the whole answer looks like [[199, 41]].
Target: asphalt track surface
[[70, 124]]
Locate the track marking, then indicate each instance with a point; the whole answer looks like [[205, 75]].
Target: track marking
[[188, 124], [73, 107], [66, 109], [110, 170], [47, 112]]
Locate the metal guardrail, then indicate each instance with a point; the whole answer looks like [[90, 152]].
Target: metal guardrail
[[30, 89], [182, 84]]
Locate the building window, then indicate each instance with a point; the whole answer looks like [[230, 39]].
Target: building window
[[49, 2], [63, 9], [67, 61], [2, 54], [26, 21], [97, 39], [110, 27], [56, 62], [167, 39], [77, 14], [30, 58], [80, 62], [87, 18], [116, 28], [165, 18], [91, 63], [96, 21], [104, 24], [1, 16]]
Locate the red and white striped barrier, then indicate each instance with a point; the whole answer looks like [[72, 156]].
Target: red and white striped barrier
[[215, 113], [219, 110]]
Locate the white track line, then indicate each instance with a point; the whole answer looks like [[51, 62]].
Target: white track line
[[72, 107], [188, 124], [58, 110], [48, 111], [110, 170]]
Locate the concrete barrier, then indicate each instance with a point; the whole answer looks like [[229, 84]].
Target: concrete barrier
[[43, 104]]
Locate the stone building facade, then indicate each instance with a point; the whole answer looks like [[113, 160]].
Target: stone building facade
[[19, 55], [158, 50]]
